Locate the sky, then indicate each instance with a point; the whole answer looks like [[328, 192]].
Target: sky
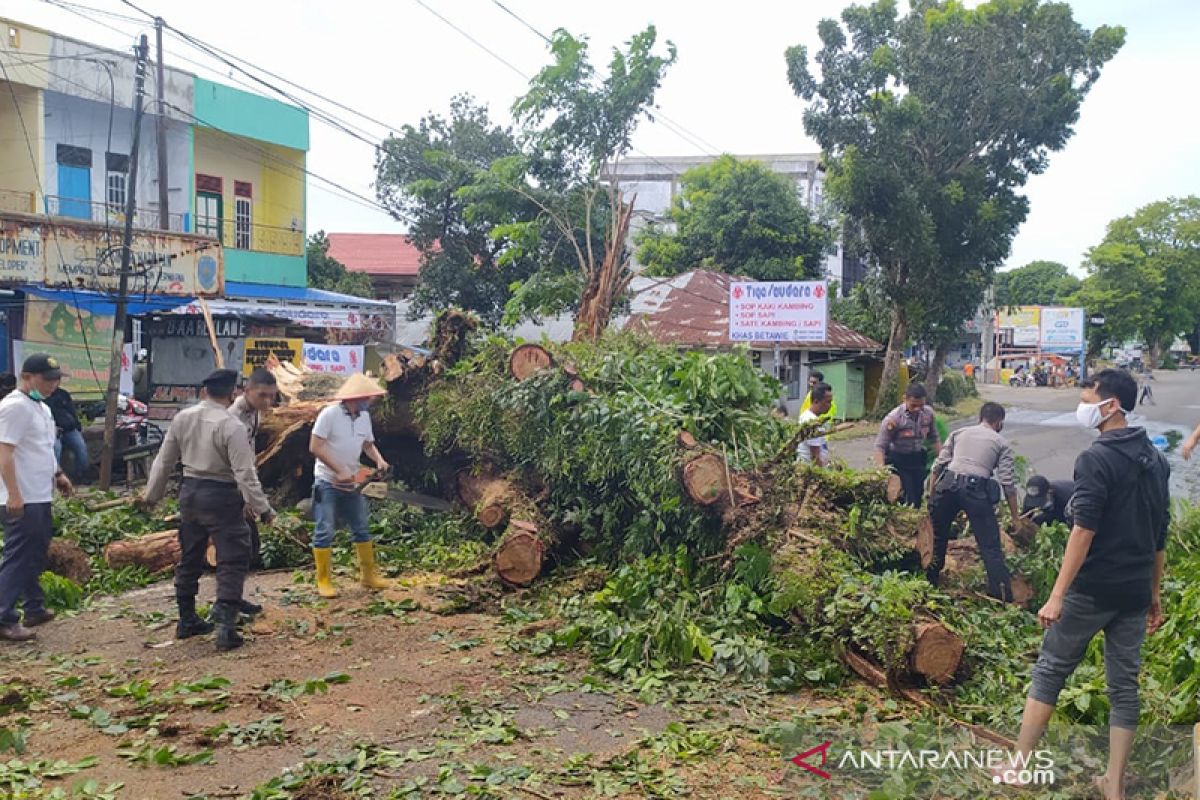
[[396, 61]]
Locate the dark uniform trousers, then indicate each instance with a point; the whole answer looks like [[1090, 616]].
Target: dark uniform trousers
[[970, 494], [212, 509], [911, 469], [26, 543]]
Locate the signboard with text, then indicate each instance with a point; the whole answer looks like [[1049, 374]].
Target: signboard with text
[[1025, 324], [339, 359], [89, 257], [778, 311], [1062, 329], [258, 350]]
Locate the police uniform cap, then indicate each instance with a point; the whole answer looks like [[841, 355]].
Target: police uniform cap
[[221, 379]]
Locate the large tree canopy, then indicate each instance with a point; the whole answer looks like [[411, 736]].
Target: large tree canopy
[[1144, 278], [435, 175], [930, 123], [1038, 283], [740, 218]]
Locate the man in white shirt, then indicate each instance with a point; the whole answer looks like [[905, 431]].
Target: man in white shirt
[[816, 450], [27, 437], [340, 436]]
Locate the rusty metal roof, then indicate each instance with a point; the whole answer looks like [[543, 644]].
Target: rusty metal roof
[[692, 310]]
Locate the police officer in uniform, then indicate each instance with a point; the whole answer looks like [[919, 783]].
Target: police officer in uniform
[[219, 479], [901, 442], [962, 476]]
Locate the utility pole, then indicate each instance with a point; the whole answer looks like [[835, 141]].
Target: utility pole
[[164, 213], [118, 339]]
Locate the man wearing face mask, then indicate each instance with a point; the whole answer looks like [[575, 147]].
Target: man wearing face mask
[[29, 473], [1111, 572], [963, 482], [340, 436]]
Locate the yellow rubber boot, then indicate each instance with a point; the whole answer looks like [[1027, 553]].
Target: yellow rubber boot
[[368, 574], [323, 557]]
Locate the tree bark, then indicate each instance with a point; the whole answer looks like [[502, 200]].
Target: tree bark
[[522, 552], [897, 338], [157, 552], [936, 367], [67, 559], [489, 497]]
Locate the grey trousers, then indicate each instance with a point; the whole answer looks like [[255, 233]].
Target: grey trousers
[[209, 509], [1066, 642], [26, 542]]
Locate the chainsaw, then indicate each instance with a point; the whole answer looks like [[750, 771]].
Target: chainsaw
[[373, 483]]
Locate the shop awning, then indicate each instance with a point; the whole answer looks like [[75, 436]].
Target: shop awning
[[103, 304], [313, 308]]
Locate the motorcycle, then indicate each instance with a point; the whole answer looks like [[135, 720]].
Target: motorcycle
[[1022, 379], [134, 430]]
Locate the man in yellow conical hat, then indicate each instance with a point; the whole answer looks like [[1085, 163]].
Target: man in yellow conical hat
[[340, 436]]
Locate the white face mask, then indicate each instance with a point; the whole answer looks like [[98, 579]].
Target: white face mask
[[1090, 416]]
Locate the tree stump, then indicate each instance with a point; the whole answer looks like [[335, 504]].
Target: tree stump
[[527, 359]]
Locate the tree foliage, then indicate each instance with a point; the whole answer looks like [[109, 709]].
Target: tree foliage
[[583, 124], [330, 274], [740, 218], [435, 175], [1145, 276], [1038, 283], [930, 123]]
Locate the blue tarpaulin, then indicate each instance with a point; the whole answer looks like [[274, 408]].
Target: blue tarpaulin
[[102, 303], [258, 291]]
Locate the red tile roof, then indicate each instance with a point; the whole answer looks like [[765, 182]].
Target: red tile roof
[[692, 309], [376, 253]]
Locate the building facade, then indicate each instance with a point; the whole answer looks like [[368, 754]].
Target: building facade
[[390, 260], [235, 160], [653, 183]]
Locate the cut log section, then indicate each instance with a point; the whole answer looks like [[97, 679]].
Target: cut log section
[[924, 541], [706, 479], [527, 359], [488, 497], [519, 557], [895, 489], [157, 552], [1024, 532], [937, 651], [1022, 591]]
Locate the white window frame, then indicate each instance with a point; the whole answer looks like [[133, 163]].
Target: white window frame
[[116, 188], [243, 220]]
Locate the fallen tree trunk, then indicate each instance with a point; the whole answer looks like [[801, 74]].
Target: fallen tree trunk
[[521, 552]]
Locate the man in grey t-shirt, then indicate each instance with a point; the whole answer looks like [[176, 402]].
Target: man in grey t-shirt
[[340, 436]]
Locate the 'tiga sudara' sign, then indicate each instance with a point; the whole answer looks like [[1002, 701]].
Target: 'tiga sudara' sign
[[339, 359], [778, 311]]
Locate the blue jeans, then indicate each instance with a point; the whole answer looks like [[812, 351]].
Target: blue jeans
[[79, 452], [331, 506]]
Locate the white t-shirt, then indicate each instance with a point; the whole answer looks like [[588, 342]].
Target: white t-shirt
[[345, 436], [28, 425], [804, 451]]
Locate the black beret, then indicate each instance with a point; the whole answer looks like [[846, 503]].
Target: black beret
[[221, 379]]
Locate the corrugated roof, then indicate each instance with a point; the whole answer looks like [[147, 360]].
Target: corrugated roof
[[376, 253], [692, 309]]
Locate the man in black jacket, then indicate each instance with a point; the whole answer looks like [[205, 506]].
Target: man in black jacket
[[1111, 572], [70, 433]]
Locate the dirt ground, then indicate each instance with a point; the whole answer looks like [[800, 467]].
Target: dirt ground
[[430, 705]]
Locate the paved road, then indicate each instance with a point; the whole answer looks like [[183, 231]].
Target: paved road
[[1041, 425]]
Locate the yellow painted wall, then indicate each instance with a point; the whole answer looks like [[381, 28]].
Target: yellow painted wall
[[276, 176], [24, 44], [20, 175]]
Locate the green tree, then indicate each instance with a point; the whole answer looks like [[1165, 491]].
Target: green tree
[[583, 124], [741, 218], [1144, 278], [1038, 283], [436, 176], [330, 274], [930, 123]]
